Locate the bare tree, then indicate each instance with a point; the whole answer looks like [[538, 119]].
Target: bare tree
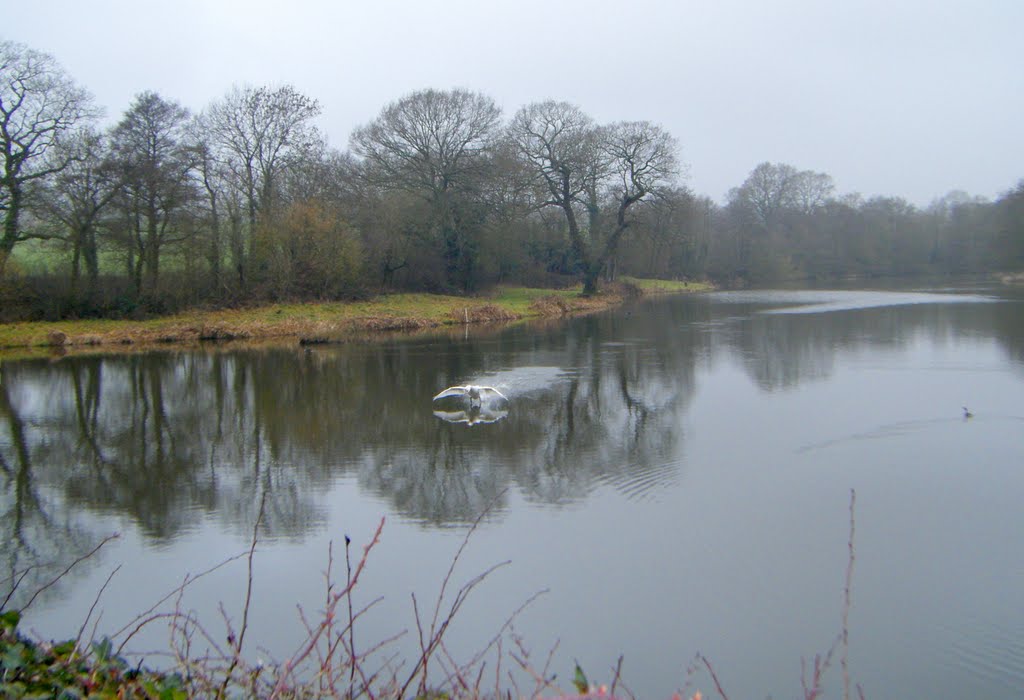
[[812, 190], [436, 145], [76, 197], [257, 134], [595, 175], [430, 141], [642, 161], [773, 188], [768, 190], [558, 143], [39, 105], [217, 208], [151, 150], [674, 238]]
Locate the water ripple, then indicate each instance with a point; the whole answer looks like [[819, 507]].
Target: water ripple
[[883, 431], [992, 653], [643, 483]]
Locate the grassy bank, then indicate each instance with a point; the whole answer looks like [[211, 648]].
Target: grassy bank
[[330, 321]]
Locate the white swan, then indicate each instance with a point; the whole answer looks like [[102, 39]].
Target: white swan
[[474, 392]]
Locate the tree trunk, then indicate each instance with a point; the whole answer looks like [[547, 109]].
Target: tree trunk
[[590, 275], [215, 252], [76, 267], [137, 264], [11, 218], [91, 255], [237, 244], [152, 267]]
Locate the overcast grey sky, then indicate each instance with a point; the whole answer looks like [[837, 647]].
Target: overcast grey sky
[[910, 98]]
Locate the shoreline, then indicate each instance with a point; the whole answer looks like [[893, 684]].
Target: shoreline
[[322, 322]]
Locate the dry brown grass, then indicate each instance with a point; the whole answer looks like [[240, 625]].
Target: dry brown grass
[[328, 322]]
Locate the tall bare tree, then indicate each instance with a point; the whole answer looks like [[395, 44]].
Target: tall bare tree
[[436, 145], [220, 214], [595, 175], [257, 134], [39, 105], [768, 191], [812, 190], [151, 149], [76, 197]]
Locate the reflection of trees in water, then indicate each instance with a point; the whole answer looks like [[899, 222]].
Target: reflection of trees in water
[[614, 418], [171, 438], [618, 416], [1009, 325], [783, 350], [165, 438], [39, 535]]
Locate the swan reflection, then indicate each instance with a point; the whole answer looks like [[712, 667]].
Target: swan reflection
[[473, 415]]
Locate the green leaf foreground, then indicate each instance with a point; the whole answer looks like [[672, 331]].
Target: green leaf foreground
[[31, 669]]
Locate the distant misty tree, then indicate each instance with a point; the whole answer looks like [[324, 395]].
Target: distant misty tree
[[962, 232], [672, 236], [436, 145], [774, 221], [773, 189], [812, 190], [768, 190], [39, 106], [594, 175], [1009, 247]]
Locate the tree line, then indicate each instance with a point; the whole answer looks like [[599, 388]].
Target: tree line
[[245, 201]]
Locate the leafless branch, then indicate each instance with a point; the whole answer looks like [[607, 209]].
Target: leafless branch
[[844, 660], [92, 608], [714, 676], [67, 569]]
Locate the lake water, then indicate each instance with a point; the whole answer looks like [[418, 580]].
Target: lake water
[[676, 475]]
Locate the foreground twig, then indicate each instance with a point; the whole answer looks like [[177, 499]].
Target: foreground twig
[[289, 666], [430, 642], [844, 660], [714, 676], [66, 570], [236, 642], [812, 685], [144, 618], [92, 608], [351, 620]]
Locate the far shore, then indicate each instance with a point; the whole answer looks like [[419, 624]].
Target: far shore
[[324, 322]]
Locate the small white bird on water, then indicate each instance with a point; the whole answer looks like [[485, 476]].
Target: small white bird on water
[[474, 392]]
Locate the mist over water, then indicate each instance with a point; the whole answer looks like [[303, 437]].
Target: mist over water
[[676, 473]]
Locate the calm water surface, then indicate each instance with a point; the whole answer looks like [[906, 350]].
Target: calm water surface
[[677, 475]]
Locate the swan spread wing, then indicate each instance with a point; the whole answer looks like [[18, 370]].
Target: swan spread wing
[[467, 390], [452, 391]]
